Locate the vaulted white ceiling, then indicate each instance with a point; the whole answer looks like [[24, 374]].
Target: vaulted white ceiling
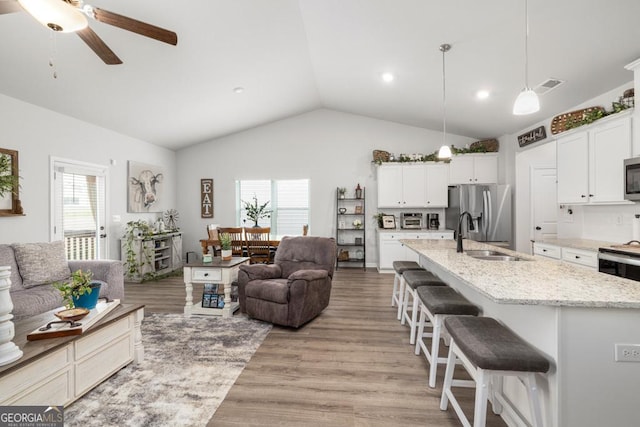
[[294, 56]]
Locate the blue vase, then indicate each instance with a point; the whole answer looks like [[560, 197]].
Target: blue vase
[[87, 300]]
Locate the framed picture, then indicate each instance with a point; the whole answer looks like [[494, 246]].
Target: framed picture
[[358, 209], [145, 188], [358, 241], [342, 224], [388, 221]]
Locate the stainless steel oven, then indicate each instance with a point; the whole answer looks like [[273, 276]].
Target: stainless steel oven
[[619, 263]]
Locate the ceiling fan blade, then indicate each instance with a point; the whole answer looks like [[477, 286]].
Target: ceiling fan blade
[[135, 26], [9, 7], [98, 46]]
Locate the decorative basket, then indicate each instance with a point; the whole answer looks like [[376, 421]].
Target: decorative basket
[[489, 145], [380, 156], [559, 122], [343, 255]]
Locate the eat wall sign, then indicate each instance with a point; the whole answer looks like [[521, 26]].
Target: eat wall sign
[[206, 198]]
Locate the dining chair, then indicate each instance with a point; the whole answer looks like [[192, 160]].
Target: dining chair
[[237, 240], [258, 244]]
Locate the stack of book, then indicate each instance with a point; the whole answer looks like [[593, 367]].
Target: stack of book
[[210, 296]]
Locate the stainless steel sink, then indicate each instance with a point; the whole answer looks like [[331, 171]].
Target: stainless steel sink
[[489, 255], [483, 252]]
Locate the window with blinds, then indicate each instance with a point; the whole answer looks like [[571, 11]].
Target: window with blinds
[[288, 199]]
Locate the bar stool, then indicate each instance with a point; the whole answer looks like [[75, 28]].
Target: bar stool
[[398, 284], [437, 302], [489, 351], [414, 279]]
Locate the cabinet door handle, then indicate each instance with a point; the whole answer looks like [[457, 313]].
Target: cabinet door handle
[[544, 250], [590, 195], [206, 274], [538, 228], [583, 196], [577, 257]]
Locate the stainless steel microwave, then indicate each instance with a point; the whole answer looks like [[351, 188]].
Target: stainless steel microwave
[[632, 179]]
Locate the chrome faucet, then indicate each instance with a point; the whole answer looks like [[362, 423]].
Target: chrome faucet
[[470, 226]]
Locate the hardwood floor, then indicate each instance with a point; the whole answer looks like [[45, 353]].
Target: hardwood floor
[[351, 366]]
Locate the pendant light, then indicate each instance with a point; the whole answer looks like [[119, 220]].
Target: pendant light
[[527, 101], [445, 150], [58, 15]]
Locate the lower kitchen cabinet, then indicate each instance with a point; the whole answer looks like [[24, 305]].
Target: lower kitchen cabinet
[[581, 257], [390, 248]]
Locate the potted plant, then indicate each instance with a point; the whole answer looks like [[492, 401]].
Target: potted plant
[[133, 231], [357, 223], [255, 211], [8, 182], [80, 290], [225, 244], [342, 191]]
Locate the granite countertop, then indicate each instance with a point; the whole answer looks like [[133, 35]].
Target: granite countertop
[[533, 281], [585, 244]]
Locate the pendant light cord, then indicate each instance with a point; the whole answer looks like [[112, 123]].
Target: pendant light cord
[[444, 48], [526, 44]]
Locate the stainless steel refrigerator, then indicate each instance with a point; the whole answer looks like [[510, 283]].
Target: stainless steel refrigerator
[[489, 206]]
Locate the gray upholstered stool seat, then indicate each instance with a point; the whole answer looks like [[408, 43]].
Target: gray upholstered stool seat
[[413, 280], [445, 300], [436, 303], [417, 278], [398, 284], [489, 351], [402, 266]]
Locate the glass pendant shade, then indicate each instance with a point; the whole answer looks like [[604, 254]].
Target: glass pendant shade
[[444, 152], [527, 102], [55, 14]]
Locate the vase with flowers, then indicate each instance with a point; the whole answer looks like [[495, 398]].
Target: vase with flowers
[[357, 224], [256, 211]]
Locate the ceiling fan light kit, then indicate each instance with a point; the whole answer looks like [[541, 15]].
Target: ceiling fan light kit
[[70, 16], [527, 101], [58, 15]]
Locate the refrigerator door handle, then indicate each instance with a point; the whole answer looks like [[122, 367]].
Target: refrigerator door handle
[[487, 204]]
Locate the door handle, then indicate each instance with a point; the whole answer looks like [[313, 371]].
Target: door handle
[[538, 228], [102, 236]]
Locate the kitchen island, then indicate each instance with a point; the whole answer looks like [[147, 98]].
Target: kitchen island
[[574, 315]]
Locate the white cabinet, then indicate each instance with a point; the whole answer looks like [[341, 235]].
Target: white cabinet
[[390, 248], [548, 251], [473, 169], [580, 257], [154, 255], [437, 183], [412, 185], [590, 162]]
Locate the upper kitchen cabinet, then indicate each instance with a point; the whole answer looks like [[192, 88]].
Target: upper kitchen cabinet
[[412, 185], [473, 169], [590, 162]]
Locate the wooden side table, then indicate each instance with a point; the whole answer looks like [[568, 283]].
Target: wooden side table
[[215, 272]]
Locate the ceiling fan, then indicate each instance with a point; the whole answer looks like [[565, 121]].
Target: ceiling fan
[[69, 16]]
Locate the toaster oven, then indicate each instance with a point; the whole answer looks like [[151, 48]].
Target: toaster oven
[[411, 220]]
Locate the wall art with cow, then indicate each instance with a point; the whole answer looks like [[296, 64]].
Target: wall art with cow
[[145, 188]]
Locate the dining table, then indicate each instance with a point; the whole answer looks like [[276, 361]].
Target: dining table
[[215, 244]]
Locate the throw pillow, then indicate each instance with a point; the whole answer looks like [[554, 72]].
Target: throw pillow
[[41, 263]]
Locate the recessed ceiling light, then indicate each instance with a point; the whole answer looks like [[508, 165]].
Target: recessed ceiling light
[[238, 89], [388, 77], [482, 94]]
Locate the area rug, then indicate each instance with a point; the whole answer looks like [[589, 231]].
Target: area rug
[[189, 366]]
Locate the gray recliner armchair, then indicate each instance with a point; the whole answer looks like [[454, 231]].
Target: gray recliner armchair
[[295, 288]]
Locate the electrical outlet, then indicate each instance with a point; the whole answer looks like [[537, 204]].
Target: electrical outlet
[[627, 353]]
